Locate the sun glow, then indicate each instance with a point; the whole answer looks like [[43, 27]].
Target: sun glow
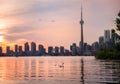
[[2, 25], [1, 38]]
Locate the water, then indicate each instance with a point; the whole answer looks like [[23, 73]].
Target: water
[[58, 70]]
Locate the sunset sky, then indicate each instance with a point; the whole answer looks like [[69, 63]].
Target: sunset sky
[[55, 22]]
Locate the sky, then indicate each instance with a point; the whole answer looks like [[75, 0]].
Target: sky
[[55, 22]]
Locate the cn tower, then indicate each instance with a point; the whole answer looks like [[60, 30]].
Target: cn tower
[[82, 38]]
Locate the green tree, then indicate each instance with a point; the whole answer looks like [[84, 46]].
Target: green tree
[[118, 26], [118, 22], [113, 33]]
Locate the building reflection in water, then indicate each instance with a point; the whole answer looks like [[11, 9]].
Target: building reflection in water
[[39, 68], [82, 70], [76, 70]]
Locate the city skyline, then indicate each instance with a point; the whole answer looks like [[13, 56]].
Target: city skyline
[[54, 22], [32, 49]]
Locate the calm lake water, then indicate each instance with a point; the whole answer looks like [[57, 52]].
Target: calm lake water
[[58, 70]]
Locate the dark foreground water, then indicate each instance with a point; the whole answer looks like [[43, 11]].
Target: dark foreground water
[[58, 70]]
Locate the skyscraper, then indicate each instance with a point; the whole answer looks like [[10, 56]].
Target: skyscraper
[[41, 49], [56, 51], [20, 49], [107, 35], [95, 46], [33, 48], [101, 40], [82, 39], [16, 48], [62, 50], [0, 50], [26, 48], [50, 50], [74, 49], [8, 50]]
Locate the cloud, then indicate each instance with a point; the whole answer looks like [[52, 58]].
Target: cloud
[[32, 7], [20, 32], [14, 37], [20, 29], [43, 20]]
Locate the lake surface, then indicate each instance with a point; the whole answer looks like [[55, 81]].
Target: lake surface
[[58, 70]]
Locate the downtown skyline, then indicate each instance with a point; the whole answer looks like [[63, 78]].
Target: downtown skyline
[[32, 49], [54, 22]]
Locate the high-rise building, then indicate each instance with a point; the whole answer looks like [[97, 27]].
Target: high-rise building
[[85, 46], [62, 50], [33, 48], [26, 48], [107, 35], [8, 50], [56, 51], [44, 51], [67, 52], [88, 48], [41, 49], [16, 48], [0, 50], [82, 37], [74, 49], [95, 46], [20, 49], [101, 40], [50, 50]]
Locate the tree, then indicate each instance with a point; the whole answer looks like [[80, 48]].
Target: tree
[[118, 27], [118, 22], [113, 33]]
